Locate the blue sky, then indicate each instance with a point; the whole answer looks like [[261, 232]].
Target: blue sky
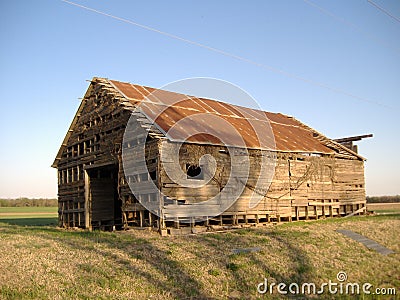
[[49, 48]]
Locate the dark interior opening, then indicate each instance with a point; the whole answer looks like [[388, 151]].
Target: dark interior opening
[[193, 172], [105, 204]]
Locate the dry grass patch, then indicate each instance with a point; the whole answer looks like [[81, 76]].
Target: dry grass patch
[[51, 263]]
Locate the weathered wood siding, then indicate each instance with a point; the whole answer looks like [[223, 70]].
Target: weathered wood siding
[[95, 140], [138, 175], [303, 185]]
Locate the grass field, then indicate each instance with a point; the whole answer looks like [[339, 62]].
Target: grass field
[[384, 208], [29, 216], [29, 210], [45, 262]]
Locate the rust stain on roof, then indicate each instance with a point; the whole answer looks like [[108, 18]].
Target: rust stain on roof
[[200, 119]]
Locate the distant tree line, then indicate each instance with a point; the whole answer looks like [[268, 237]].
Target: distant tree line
[[383, 199], [21, 202]]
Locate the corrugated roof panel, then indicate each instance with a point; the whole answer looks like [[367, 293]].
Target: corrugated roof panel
[[250, 113], [217, 107], [166, 97], [127, 89], [224, 123], [192, 104]]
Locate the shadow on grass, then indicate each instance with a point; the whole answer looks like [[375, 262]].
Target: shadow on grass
[[299, 267], [162, 273], [30, 221], [166, 274]]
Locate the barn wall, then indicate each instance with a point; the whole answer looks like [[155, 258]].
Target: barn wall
[[138, 176], [315, 186], [95, 140], [303, 185]]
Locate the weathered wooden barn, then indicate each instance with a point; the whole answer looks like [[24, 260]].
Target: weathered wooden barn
[[313, 177]]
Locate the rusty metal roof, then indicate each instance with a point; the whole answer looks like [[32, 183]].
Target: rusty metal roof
[[206, 121], [213, 122], [202, 120]]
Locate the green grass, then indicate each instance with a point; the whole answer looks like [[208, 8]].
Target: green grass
[[384, 208], [29, 216], [29, 210], [29, 221], [45, 262], [387, 211]]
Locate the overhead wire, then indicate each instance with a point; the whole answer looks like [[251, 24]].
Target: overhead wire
[[353, 26], [228, 54], [384, 10]]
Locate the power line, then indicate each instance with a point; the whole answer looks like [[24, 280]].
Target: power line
[[353, 26], [228, 54], [384, 10]]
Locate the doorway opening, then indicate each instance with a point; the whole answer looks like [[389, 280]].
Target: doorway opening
[[105, 205]]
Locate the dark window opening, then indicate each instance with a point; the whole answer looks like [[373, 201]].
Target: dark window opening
[[75, 174], [81, 172], [75, 151], [80, 148], [117, 147], [194, 172], [69, 175], [153, 175]]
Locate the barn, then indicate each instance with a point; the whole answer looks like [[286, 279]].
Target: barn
[[136, 156]]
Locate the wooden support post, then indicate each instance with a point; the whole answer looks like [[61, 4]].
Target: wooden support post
[[160, 224], [306, 208], [192, 222], [220, 220], [257, 219], [124, 220], [176, 223], [296, 210], [141, 218], [87, 201]]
